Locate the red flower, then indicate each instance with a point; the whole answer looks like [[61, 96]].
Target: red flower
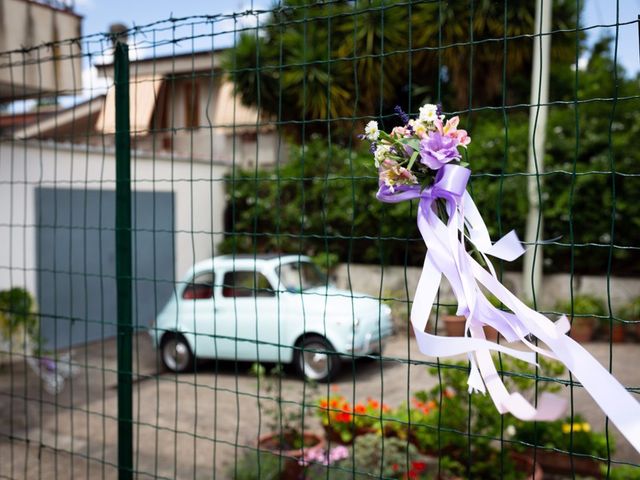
[[418, 466], [395, 467], [361, 409], [412, 474], [343, 417]]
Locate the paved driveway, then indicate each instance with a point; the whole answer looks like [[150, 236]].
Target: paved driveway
[[195, 425]]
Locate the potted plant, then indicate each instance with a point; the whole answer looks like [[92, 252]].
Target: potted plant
[[284, 420], [565, 446], [372, 456], [342, 423], [630, 312], [583, 313], [18, 323], [453, 324]]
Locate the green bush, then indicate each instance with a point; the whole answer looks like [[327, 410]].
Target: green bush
[[17, 310], [322, 200]]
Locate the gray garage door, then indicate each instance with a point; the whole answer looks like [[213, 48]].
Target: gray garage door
[[77, 262]]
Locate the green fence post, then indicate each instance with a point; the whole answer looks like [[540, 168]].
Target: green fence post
[[123, 260]]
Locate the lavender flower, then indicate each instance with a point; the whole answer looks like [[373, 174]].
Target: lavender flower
[[403, 116], [437, 150]]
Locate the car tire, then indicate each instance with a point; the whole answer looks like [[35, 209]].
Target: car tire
[[315, 359], [175, 353]]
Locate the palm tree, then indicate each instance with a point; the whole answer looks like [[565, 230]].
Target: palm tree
[[342, 62]]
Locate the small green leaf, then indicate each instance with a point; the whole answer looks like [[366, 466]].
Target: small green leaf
[[412, 142], [412, 160]]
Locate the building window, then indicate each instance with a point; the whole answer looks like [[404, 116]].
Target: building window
[[192, 104]]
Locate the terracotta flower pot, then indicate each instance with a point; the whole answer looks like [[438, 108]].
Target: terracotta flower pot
[[454, 325], [561, 463], [582, 329], [273, 442], [525, 464], [617, 334], [491, 333]]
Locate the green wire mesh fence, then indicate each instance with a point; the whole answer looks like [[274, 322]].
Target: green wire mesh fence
[[188, 228]]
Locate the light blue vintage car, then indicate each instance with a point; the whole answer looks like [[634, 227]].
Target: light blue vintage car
[[268, 308]]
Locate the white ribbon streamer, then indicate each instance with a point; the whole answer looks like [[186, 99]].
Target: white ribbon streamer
[[447, 255]]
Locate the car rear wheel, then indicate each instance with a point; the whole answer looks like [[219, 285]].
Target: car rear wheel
[[315, 359], [175, 353]]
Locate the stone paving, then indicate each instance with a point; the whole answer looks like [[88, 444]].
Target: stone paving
[[195, 425]]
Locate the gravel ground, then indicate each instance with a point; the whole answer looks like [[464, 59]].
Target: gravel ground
[[195, 425]]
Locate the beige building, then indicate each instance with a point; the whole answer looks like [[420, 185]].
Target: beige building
[[181, 105], [57, 181], [27, 72]]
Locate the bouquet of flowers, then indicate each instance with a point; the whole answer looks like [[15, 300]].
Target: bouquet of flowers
[[423, 160], [412, 154]]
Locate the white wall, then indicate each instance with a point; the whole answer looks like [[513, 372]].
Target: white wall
[[198, 192], [390, 282]]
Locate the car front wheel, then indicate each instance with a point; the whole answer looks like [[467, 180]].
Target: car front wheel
[[175, 353], [315, 359]]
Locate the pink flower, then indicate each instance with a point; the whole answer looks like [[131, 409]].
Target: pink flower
[[400, 132], [450, 129], [391, 174]]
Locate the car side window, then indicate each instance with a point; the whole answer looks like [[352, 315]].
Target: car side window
[[200, 287], [246, 283]]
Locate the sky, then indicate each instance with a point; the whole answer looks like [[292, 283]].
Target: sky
[[99, 14]]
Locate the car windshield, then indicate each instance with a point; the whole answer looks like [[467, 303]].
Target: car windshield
[[298, 276]]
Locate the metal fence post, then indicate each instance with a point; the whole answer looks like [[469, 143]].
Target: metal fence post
[[123, 260]]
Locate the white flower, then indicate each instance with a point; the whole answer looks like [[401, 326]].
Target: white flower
[[371, 130], [428, 113], [419, 129], [381, 153], [510, 431]]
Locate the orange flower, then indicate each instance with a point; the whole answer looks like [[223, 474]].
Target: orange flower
[[360, 408], [323, 403], [426, 410], [345, 407], [385, 408], [335, 403], [431, 405], [335, 388], [374, 404], [448, 393]]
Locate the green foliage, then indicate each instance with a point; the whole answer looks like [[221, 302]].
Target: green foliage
[[631, 310], [17, 310], [321, 202], [303, 61], [573, 437], [582, 306], [622, 472], [257, 465], [326, 261]]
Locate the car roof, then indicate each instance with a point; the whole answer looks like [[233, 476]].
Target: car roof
[[246, 260]]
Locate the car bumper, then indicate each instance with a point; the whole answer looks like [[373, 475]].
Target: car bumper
[[369, 343]]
